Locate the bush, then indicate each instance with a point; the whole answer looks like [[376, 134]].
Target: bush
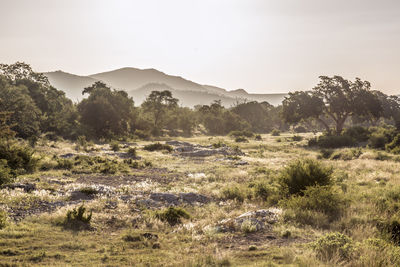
[[76, 219], [326, 153], [144, 135], [234, 192], [132, 152], [333, 245], [358, 133], [241, 139], [297, 138], [394, 146], [346, 154], [300, 129], [64, 164], [6, 175], [218, 144], [19, 159], [173, 215], [158, 146], [3, 219], [115, 146], [380, 136], [319, 199], [332, 141], [241, 133], [391, 229], [300, 174], [275, 132], [258, 137]]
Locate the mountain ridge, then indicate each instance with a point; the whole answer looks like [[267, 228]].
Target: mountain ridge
[[140, 82]]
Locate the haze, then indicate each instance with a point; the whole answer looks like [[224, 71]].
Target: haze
[[261, 46]]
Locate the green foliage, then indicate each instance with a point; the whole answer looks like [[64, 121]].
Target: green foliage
[[326, 153], [380, 136], [115, 146], [3, 219], [332, 141], [346, 154], [300, 129], [76, 219], [334, 246], [275, 132], [158, 146], [64, 164], [234, 192], [258, 137], [241, 139], [218, 144], [297, 138], [358, 133], [173, 215], [106, 113], [6, 175], [300, 174], [241, 134], [132, 152], [142, 134], [18, 158], [316, 202], [394, 146]]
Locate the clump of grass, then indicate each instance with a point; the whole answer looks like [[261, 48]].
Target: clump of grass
[[258, 137], [132, 152], [248, 226], [158, 146], [64, 164], [241, 139], [76, 218], [172, 215], [218, 144], [115, 146], [3, 219], [300, 174], [297, 138], [241, 133], [275, 132], [234, 192], [334, 246]]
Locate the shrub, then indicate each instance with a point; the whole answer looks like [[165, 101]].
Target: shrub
[[132, 152], [6, 175], [391, 229], [275, 132], [258, 137], [320, 199], [300, 174], [234, 192], [109, 168], [158, 146], [115, 146], [346, 154], [394, 146], [18, 158], [76, 219], [380, 136], [3, 219], [297, 138], [241, 133], [218, 144], [334, 245], [358, 133], [241, 139], [332, 141], [248, 226], [65, 164], [172, 215], [326, 153], [144, 135], [300, 129]]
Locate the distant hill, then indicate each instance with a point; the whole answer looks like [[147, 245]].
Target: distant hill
[[140, 82]]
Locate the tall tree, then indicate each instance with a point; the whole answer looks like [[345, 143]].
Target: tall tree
[[159, 104]]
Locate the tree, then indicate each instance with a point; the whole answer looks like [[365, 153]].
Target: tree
[[5, 127], [106, 113], [158, 104], [334, 98], [260, 116]]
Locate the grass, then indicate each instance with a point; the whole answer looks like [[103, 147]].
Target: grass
[[363, 187]]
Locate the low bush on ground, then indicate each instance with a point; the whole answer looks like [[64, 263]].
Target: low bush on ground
[[300, 129], [332, 141], [297, 138], [358, 133], [394, 145], [241, 139], [132, 152], [300, 174], [115, 146], [76, 219], [258, 137], [380, 136], [241, 133], [275, 132], [334, 246], [3, 219], [172, 215], [318, 206], [158, 146], [346, 154], [234, 192]]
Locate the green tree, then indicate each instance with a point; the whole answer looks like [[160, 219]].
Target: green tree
[[106, 113], [334, 98], [158, 104]]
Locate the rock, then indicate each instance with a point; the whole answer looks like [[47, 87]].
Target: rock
[[165, 197], [78, 195], [260, 219], [191, 150], [28, 187], [192, 198], [241, 163]]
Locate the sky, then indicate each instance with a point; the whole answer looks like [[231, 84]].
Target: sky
[[262, 46]]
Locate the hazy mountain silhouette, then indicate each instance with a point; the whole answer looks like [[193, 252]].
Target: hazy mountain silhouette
[[140, 82]]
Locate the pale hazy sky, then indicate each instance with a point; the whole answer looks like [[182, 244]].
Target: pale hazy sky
[[263, 46]]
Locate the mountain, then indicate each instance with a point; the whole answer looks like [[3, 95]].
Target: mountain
[[140, 82]]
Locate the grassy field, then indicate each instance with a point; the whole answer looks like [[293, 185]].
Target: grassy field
[[353, 223]]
